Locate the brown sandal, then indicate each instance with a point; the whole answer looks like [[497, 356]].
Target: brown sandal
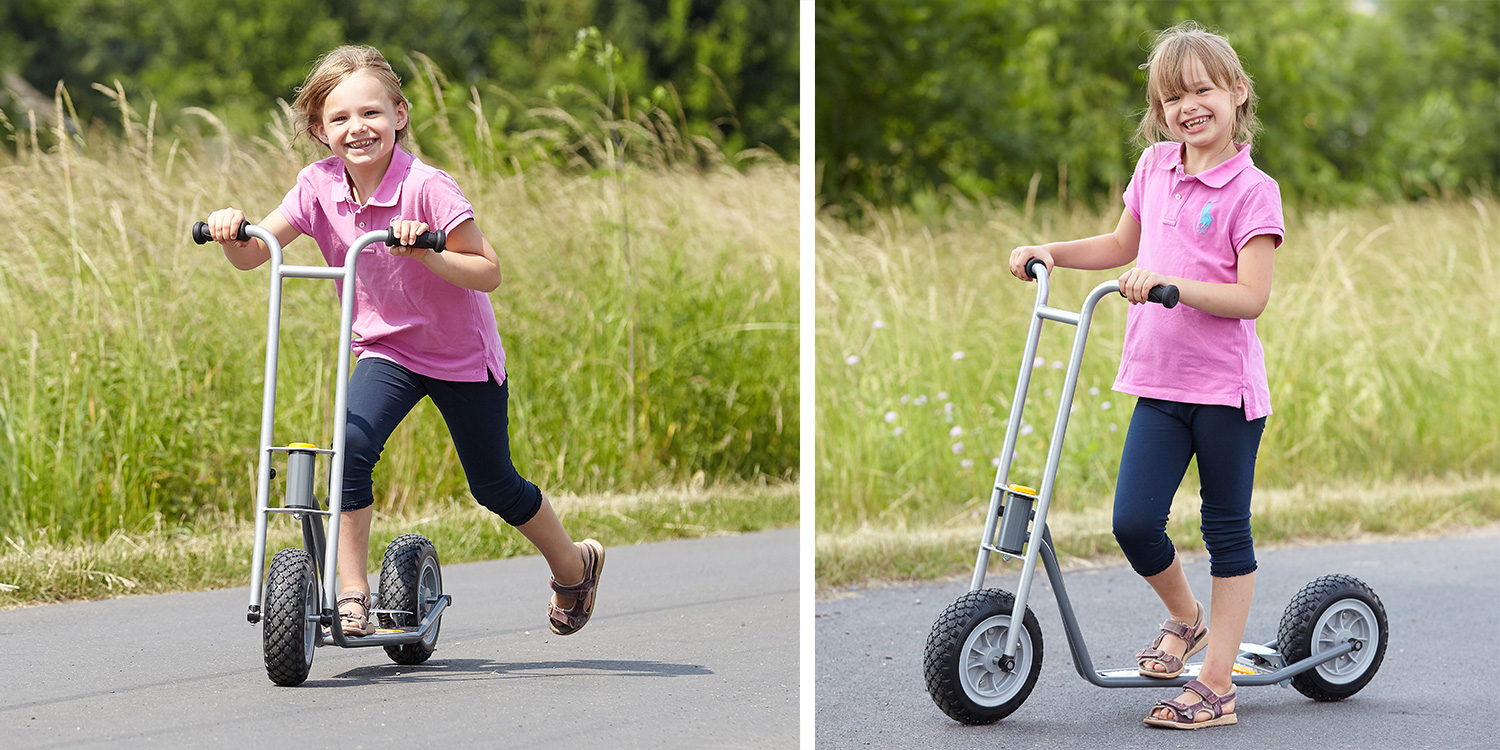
[[355, 623], [571, 620], [1195, 636], [1184, 716]]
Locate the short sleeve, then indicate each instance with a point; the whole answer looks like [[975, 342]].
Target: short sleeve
[[1137, 184], [1260, 213], [294, 207], [443, 203]]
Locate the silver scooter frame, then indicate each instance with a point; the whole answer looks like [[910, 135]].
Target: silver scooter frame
[[1265, 660], [298, 500]]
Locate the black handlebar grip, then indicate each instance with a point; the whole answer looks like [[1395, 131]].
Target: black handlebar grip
[[1166, 295], [202, 236], [1032, 262], [435, 240]]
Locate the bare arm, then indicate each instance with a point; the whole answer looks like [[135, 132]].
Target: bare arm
[[1246, 298], [224, 224], [469, 261], [1090, 254]]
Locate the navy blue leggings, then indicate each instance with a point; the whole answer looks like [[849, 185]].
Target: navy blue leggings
[[382, 393], [1163, 436]]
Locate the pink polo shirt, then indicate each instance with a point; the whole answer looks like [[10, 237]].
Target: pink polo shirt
[[1194, 227], [402, 311]]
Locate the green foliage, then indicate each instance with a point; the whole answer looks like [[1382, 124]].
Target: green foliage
[[1377, 377], [727, 71], [1009, 98], [649, 320]]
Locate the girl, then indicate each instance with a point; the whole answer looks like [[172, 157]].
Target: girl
[[1199, 215], [423, 325]]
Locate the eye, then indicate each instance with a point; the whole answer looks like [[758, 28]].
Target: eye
[[372, 113], [1170, 99], [1202, 90]]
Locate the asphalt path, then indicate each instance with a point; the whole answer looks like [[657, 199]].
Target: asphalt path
[[1434, 688], [692, 644]]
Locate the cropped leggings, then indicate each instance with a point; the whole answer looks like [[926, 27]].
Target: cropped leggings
[[382, 393], [1163, 436]]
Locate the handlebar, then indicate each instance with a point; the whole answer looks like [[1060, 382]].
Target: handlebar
[[435, 240], [1165, 295]]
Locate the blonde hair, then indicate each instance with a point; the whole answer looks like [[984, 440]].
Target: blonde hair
[[333, 69], [1169, 54]]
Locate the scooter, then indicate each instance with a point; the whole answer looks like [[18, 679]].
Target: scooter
[[297, 612], [984, 653]]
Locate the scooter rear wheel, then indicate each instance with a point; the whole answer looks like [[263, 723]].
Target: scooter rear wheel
[[410, 581], [1327, 613], [290, 625], [964, 649]]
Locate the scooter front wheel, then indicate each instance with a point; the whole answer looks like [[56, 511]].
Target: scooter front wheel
[[1327, 613], [291, 620], [411, 582], [962, 664]]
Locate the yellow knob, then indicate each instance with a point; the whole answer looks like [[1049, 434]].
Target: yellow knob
[[308, 446], [1022, 490]]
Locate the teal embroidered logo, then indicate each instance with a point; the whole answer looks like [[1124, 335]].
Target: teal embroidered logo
[[1205, 218]]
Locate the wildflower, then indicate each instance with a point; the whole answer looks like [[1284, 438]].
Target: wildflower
[[890, 417], [1113, 427], [948, 407], [1094, 391], [1058, 365], [958, 448], [1038, 362], [1026, 429], [958, 355], [919, 400], [956, 431], [942, 396], [966, 463], [878, 324], [905, 398], [897, 432], [995, 462], [1106, 406], [852, 360]]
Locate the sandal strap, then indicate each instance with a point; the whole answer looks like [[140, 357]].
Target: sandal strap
[[581, 589], [1171, 661], [1210, 698], [1184, 712]]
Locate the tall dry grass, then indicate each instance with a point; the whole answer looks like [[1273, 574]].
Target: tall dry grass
[[1381, 342], [130, 359]]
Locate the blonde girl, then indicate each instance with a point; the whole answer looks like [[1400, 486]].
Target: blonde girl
[[423, 324], [1200, 215]]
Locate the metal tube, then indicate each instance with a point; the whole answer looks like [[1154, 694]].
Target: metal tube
[[1012, 429], [341, 414], [1054, 456], [267, 420]]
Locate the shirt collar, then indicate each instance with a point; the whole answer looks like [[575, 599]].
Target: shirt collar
[[390, 185], [1218, 176]]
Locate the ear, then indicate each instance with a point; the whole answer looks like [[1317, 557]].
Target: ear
[[1241, 92], [403, 117], [318, 133]]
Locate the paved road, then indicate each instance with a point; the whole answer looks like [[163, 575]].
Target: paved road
[[1436, 688], [693, 644]]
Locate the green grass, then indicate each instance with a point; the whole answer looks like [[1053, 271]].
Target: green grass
[[215, 553], [1380, 342], [648, 313]]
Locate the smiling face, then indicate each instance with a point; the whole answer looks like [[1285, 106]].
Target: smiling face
[[1200, 111], [360, 122]]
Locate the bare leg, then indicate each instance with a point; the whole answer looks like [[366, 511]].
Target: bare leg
[[354, 549], [1231, 608], [1171, 585], [563, 556]]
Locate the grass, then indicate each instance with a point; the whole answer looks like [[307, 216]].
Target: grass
[[1380, 352], [648, 315], [216, 553]]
